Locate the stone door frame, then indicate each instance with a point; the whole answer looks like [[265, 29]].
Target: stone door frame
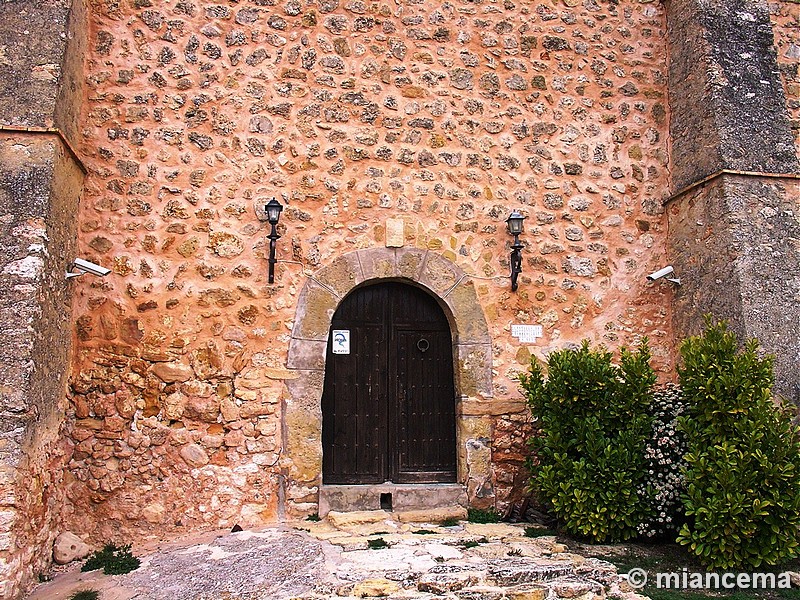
[[472, 355]]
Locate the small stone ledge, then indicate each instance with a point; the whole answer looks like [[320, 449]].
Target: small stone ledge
[[477, 407]]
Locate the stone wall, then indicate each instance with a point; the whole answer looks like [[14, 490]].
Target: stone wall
[[734, 240], [786, 25], [731, 237], [40, 183], [410, 125], [39, 188], [725, 92]]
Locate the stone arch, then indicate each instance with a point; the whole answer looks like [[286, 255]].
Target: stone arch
[[318, 300]]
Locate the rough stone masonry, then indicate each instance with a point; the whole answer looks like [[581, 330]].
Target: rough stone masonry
[[181, 392]]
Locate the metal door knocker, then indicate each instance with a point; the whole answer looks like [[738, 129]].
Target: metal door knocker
[[423, 345]]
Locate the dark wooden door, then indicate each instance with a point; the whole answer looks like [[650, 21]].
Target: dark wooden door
[[388, 407]]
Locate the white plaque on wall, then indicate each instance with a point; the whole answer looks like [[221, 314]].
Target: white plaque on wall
[[341, 341], [527, 334]]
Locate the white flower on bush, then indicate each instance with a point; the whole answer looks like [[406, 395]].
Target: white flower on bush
[[664, 457]]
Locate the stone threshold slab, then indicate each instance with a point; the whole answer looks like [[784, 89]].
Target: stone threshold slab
[[391, 497]]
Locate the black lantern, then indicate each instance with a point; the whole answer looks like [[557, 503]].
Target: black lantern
[[274, 209], [514, 223]]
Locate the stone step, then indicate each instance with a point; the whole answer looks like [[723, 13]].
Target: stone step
[[441, 581], [511, 572], [432, 515], [356, 517], [390, 496], [481, 592]]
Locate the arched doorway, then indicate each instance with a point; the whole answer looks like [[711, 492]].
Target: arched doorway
[[301, 405], [388, 402]]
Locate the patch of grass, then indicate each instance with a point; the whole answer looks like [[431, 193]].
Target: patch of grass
[[671, 558], [474, 543], [85, 595], [534, 532], [449, 522], [479, 515], [664, 558], [424, 532], [314, 517], [113, 560], [656, 594], [377, 544]]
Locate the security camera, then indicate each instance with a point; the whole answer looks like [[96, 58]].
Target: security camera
[[84, 266], [660, 273], [668, 270]]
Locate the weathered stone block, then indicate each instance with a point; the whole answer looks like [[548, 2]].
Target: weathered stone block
[[525, 570], [378, 263], [307, 355], [470, 322], [439, 274], [432, 515], [172, 372], [527, 592], [444, 583], [475, 407], [303, 443], [69, 547], [40, 184], [315, 308], [409, 263], [342, 275], [374, 588], [194, 455], [474, 369]]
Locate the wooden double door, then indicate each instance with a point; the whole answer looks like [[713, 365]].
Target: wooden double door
[[388, 405]]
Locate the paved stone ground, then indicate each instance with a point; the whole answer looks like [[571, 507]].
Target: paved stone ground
[[332, 560]]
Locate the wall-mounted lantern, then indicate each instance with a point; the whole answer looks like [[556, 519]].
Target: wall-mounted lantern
[[514, 223], [274, 209]]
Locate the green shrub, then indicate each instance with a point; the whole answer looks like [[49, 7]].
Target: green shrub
[[113, 560], [377, 544], [85, 595], [448, 522], [665, 452], [479, 515], [590, 454], [743, 471]]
